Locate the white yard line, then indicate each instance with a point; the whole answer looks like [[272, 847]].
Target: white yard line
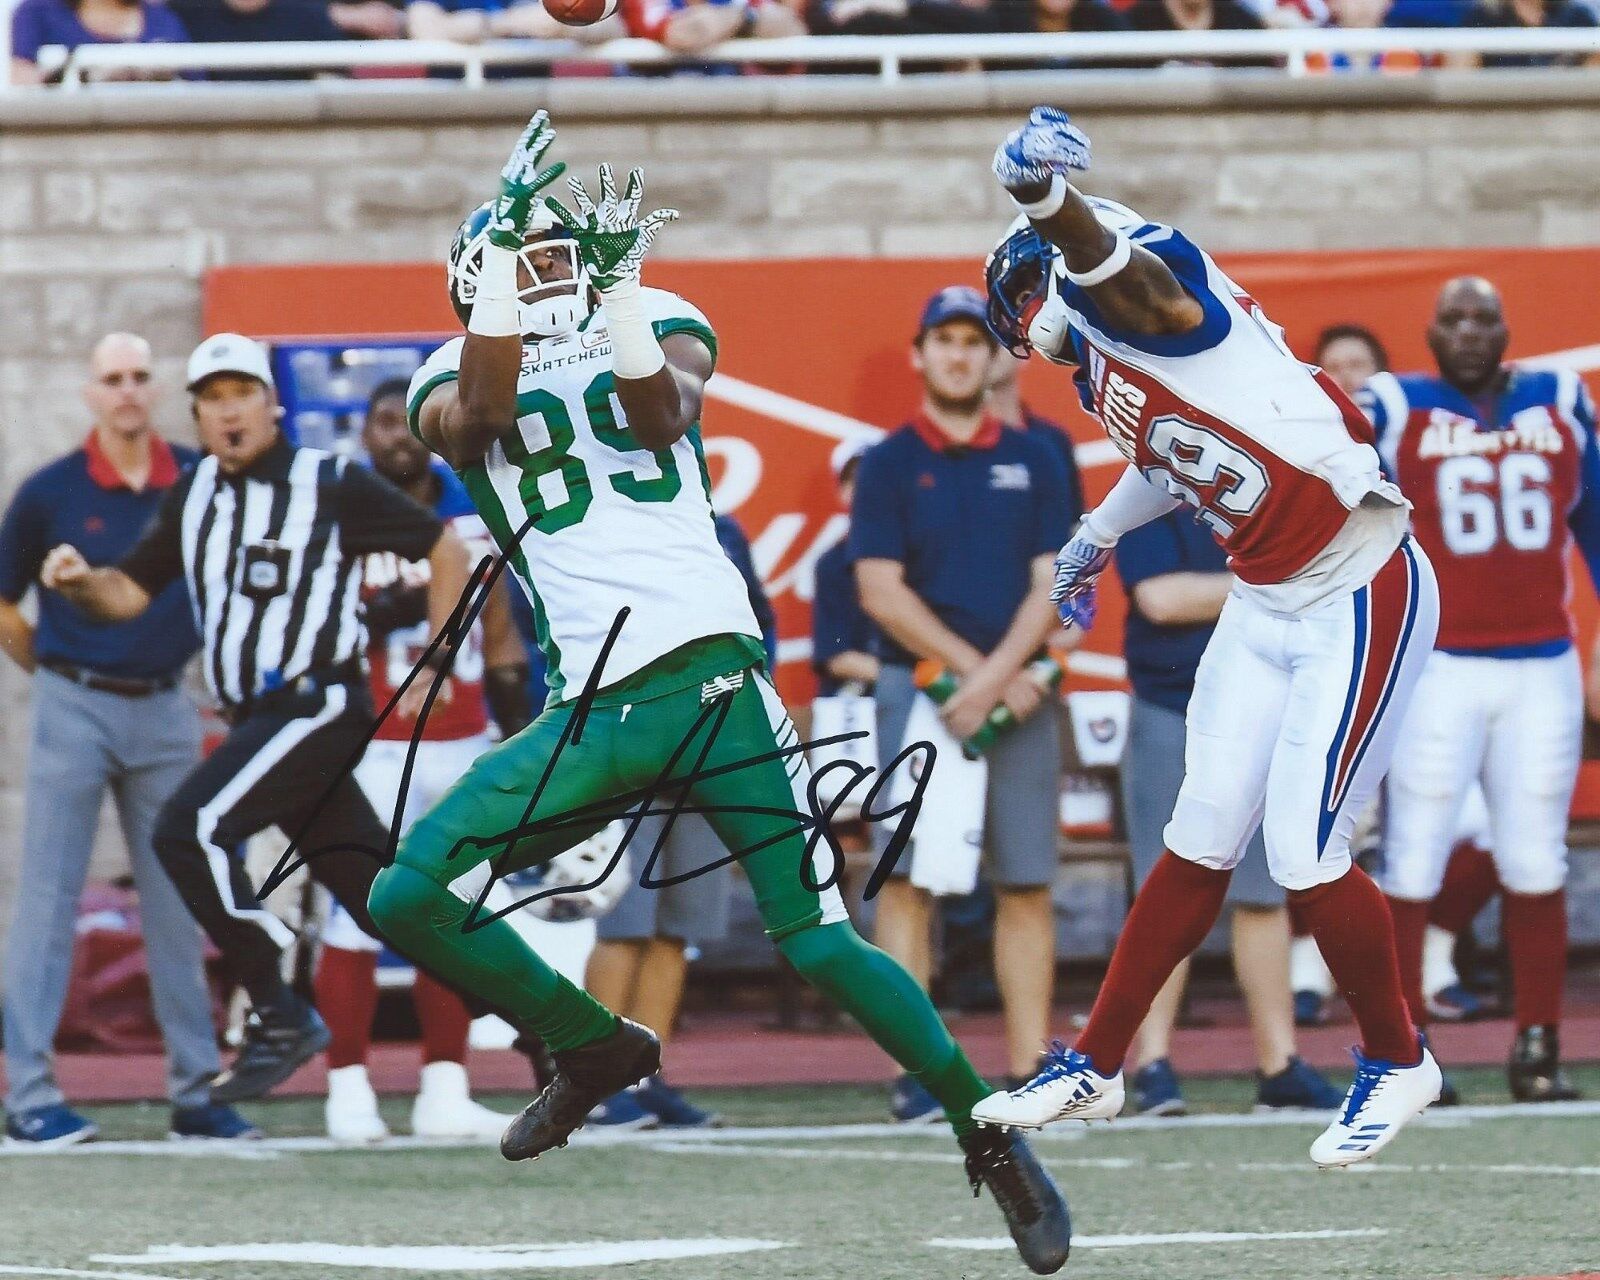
[[7, 1269], [1069, 1132], [1497, 1170], [452, 1259], [1174, 1237]]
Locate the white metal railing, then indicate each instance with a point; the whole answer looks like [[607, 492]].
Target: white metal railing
[[888, 53]]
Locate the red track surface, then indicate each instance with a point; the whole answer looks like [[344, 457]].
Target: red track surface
[[739, 1049]]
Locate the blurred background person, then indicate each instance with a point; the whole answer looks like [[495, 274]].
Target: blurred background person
[[1350, 353], [954, 530], [1177, 581], [107, 714], [1526, 14], [36, 23], [489, 677]]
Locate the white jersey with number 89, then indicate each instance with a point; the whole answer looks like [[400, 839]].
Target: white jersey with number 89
[[615, 526]]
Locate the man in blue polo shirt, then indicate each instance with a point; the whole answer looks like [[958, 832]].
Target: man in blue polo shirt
[[954, 529], [107, 711], [1177, 579]]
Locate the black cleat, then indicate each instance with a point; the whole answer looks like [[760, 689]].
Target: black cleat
[[584, 1077], [275, 1046], [1535, 1069], [1035, 1210]]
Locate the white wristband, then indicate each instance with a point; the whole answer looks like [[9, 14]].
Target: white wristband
[[1090, 532], [1121, 255], [1048, 204], [635, 351], [494, 310]]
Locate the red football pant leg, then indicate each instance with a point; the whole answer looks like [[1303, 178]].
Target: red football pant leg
[[444, 1019], [1170, 917], [1535, 928], [346, 989], [1350, 920], [1470, 882]]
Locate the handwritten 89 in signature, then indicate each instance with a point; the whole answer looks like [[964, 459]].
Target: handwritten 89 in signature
[[667, 796]]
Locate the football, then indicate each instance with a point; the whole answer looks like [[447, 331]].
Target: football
[[580, 13]]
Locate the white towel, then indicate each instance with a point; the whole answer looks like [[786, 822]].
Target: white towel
[[832, 716], [947, 841]]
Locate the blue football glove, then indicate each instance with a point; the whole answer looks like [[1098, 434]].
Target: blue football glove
[[1079, 565], [1048, 144]]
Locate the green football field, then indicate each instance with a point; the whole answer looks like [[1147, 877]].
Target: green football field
[[811, 1184]]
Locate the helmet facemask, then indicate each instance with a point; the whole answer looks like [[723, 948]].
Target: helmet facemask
[[554, 293], [1017, 277]]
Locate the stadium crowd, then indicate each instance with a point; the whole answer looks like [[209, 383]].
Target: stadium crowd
[[692, 26]]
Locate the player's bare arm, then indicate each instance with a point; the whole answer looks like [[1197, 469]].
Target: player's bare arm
[[106, 594], [461, 420], [1131, 286]]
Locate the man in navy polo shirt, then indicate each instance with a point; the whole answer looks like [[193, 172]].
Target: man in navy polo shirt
[[1177, 579], [107, 711], [954, 529]]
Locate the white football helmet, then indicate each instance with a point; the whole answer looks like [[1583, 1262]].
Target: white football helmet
[[546, 307], [581, 873]]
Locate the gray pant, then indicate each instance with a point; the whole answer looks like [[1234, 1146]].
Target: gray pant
[[1152, 773], [83, 742], [1023, 800], [696, 909]]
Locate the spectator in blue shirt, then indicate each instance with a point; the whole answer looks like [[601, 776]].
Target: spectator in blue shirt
[[107, 713], [841, 633], [954, 529], [36, 23], [1177, 580]]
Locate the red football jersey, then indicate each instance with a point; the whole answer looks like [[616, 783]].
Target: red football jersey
[[1498, 491], [403, 587]]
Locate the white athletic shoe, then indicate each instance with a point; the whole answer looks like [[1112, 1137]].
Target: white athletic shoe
[[1382, 1097], [444, 1108], [1069, 1088], [351, 1110]]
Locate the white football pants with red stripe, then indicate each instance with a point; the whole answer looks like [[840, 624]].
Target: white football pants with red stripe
[[1294, 718], [1518, 724]]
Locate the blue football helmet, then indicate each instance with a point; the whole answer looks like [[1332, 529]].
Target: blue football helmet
[[1017, 278]]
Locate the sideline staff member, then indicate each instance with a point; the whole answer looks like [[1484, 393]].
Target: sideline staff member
[[270, 538], [107, 712]]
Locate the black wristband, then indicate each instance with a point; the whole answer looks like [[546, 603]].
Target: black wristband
[[505, 689]]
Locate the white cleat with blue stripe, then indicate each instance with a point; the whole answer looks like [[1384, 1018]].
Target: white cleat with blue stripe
[[1069, 1088], [1382, 1098]]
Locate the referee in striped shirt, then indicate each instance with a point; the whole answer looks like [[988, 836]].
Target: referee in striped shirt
[[269, 538]]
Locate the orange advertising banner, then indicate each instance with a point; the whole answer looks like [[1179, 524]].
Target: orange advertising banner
[[816, 350]]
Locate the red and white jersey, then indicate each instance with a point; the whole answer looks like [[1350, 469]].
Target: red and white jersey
[[1499, 488], [1274, 457], [396, 588]]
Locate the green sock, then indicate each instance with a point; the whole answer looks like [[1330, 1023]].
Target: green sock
[[959, 1088], [878, 993], [423, 919]]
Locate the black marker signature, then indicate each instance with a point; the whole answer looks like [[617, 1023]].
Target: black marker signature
[[634, 805]]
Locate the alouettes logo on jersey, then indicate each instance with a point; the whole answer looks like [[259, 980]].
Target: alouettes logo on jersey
[[1451, 435]]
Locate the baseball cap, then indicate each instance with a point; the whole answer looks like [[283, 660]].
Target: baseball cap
[[953, 302], [229, 353]]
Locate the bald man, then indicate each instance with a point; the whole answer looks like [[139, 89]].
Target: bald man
[[107, 713], [1502, 467]]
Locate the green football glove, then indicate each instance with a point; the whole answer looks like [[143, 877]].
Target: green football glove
[[612, 241], [520, 183]]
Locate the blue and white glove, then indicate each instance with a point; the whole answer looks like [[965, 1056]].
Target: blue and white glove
[[1047, 145], [1079, 565]]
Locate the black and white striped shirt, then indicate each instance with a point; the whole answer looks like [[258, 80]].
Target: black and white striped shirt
[[272, 561]]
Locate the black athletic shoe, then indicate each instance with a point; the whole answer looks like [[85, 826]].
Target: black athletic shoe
[[584, 1077], [1535, 1068], [1035, 1210], [275, 1045]]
